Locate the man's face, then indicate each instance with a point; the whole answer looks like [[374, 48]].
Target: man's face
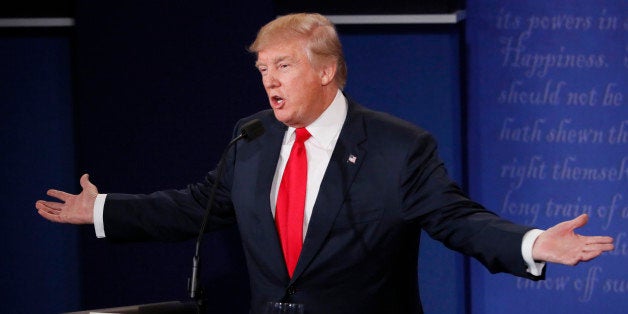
[[294, 87]]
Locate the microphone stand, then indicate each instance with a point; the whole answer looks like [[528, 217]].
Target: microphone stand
[[250, 130]]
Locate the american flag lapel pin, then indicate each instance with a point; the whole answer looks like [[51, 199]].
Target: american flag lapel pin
[[352, 159]]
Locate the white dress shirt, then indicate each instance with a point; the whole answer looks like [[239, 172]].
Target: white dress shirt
[[319, 147]]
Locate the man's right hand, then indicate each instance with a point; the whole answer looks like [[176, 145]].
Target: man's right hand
[[73, 209]]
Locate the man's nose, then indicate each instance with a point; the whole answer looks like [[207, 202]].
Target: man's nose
[[270, 80]]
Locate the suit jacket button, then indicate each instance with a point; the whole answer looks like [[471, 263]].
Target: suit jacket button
[[292, 290]]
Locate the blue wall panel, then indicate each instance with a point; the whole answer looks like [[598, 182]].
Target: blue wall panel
[[39, 265]]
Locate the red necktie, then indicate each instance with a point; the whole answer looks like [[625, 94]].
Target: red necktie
[[291, 201]]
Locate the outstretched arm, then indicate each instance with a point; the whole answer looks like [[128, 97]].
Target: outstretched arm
[[560, 244], [74, 209]]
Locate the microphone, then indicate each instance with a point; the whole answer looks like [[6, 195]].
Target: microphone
[[249, 131]]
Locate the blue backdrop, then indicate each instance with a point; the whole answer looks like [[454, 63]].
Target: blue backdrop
[[40, 263], [548, 117]]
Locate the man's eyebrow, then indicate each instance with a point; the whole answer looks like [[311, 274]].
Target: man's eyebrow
[[274, 61]]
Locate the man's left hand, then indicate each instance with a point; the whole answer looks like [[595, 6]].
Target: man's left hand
[[560, 244]]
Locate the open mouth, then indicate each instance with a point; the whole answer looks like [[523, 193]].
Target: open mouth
[[277, 101]]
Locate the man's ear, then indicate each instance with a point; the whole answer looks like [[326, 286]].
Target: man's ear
[[328, 73]]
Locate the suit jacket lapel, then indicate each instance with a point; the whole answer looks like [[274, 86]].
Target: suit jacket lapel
[[343, 165], [269, 154]]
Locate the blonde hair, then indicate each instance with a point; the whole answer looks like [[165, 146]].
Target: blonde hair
[[319, 32]]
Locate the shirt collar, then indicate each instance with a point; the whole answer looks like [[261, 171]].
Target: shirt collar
[[326, 128]]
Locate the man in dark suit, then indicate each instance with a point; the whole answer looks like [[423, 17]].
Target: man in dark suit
[[330, 200]]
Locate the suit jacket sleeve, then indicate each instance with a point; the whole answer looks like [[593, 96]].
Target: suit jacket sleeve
[[170, 215], [447, 215]]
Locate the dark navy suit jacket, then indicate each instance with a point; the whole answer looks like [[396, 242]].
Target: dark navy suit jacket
[[384, 183]]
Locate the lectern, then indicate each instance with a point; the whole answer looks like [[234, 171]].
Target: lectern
[[172, 307]]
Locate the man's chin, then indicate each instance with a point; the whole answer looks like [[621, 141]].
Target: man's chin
[[281, 116]]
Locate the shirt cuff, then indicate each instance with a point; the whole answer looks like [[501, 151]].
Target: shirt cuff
[[99, 208], [534, 268]]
